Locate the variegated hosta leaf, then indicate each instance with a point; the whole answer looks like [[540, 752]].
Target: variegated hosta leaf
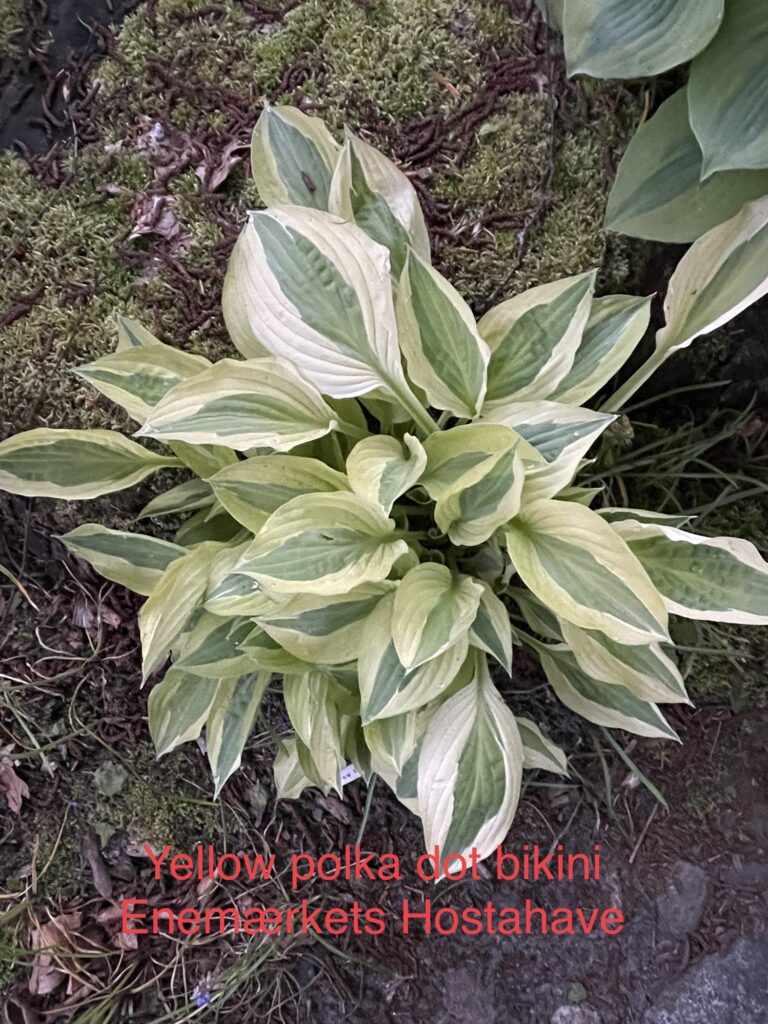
[[229, 723], [312, 703], [236, 594], [186, 497], [439, 338], [475, 474], [132, 334], [167, 610], [214, 647], [382, 468], [561, 434], [538, 751], [394, 745], [203, 459], [178, 708], [290, 778], [267, 654], [658, 192], [433, 608], [255, 488], [722, 579], [74, 464], [243, 405], [540, 618], [728, 89], [292, 158], [388, 688], [137, 378], [491, 631], [615, 326], [316, 291], [323, 544], [723, 273], [131, 559], [209, 524], [627, 39], [618, 515], [568, 556], [370, 190], [482, 500], [324, 630], [533, 339], [608, 704], [645, 669], [470, 767]]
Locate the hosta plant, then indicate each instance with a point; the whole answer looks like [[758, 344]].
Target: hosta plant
[[385, 503]]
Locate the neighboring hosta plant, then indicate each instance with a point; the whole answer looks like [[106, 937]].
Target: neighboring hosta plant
[[704, 153], [385, 502]]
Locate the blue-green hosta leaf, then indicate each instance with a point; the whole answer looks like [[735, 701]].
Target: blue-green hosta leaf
[[382, 468], [387, 687], [470, 768], [253, 489], [538, 751], [658, 192], [312, 701], [176, 595], [178, 708], [131, 559], [439, 338], [722, 579], [608, 704], [323, 544], [568, 557], [137, 378], [433, 608], [491, 631], [229, 723], [209, 524], [723, 273], [214, 647], [533, 339], [728, 91], [370, 190], [186, 497], [615, 326], [561, 435], [316, 291], [243, 405], [627, 39], [292, 158], [74, 464], [646, 670], [290, 778], [324, 629]]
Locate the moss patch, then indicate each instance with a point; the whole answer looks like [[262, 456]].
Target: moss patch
[[11, 25]]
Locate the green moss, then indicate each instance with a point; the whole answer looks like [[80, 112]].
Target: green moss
[[11, 25]]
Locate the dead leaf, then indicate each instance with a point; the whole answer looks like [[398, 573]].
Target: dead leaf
[[101, 877], [11, 786], [58, 932], [214, 170], [154, 215]]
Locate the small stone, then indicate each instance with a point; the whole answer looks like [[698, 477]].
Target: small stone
[[679, 910], [577, 993], [749, 875]]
